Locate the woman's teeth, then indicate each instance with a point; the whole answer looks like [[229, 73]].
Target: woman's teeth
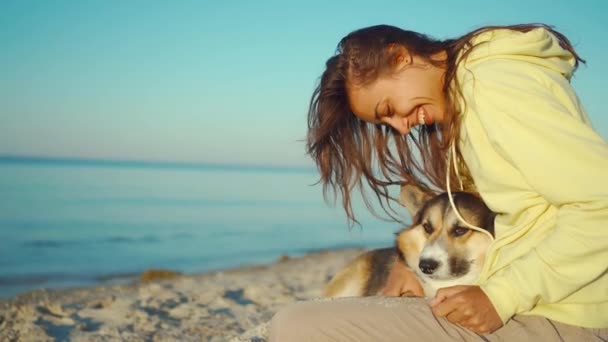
[[421, 117]]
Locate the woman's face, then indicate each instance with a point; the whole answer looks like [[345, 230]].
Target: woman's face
[[411, 96]]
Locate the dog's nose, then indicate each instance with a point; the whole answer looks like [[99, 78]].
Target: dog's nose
[[428, 266]]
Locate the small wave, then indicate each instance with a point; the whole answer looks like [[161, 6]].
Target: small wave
[[190, 202], [20, 280], [45, 243], [48, 243], [37, 280], [117, 276], [124, 239]]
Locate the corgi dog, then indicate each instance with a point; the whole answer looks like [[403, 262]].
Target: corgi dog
[[438, 247]]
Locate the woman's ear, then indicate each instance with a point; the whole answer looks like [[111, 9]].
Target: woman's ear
[[413, 197], [400, 56]]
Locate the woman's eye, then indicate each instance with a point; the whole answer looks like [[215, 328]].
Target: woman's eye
[[427, 228], [389, 112], [459, 231]]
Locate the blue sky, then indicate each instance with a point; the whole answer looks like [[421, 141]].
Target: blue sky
[[214, 81]]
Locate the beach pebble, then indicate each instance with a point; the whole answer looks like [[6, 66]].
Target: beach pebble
[[103, 303], [54, 309], [180, 312], [256, 334], [61, 321]]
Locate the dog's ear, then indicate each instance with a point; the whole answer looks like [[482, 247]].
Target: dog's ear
[[413, 197]]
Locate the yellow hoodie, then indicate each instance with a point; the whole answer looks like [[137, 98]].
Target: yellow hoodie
[[536, 161]]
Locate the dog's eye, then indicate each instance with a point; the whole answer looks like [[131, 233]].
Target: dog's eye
[[427, 228], [459, 231]]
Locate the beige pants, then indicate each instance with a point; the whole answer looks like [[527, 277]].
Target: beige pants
[[404, 320]]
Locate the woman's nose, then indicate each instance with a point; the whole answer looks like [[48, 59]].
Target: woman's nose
[[400, 123]]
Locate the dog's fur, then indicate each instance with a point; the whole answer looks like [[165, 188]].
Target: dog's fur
[[437, 247]]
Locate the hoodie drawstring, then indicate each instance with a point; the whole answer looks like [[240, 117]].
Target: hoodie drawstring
[[452, 159]]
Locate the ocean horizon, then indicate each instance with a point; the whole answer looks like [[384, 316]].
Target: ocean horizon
[[67, 222]]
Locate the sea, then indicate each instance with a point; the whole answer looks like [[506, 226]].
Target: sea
[[75, 223]]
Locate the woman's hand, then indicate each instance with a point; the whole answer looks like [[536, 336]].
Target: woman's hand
[[467, 306], [402, 282]]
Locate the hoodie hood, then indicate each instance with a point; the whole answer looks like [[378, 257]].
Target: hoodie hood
[[538, 46]]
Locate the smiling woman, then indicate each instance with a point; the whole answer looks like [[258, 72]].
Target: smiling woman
[[492, 113], [393, 81]]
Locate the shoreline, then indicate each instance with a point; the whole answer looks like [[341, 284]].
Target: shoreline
[[215, 306], [15, 286]]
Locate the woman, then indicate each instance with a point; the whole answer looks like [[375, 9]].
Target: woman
[[491, 112]]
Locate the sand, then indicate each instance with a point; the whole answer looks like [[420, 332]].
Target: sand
[[230, 305]]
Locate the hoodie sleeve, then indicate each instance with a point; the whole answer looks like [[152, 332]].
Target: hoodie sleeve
[[535, 122]]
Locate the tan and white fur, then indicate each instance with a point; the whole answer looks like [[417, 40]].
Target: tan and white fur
[[439, 249]]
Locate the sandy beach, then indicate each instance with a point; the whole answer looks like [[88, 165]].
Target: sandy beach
[[229, 305]]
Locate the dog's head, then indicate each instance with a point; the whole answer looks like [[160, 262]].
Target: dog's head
[[437, 246]]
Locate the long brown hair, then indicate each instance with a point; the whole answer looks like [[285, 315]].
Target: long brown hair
[[350, 152]]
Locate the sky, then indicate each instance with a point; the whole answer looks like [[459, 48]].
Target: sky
[[219, 81]]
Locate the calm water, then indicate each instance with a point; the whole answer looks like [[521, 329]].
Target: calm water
[[66, 224]]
